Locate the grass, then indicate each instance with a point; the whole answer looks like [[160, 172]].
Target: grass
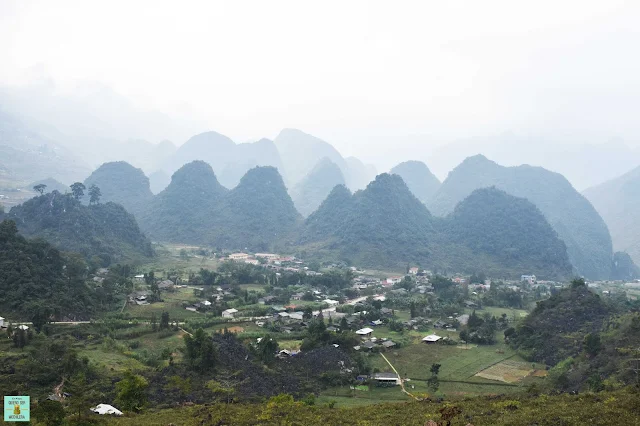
[[172, 304], [111, 360], [497, 312], [459, 364], [252, 287], [168, 258], [605, 408]]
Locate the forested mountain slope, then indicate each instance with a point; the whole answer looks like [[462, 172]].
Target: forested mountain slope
[[185, 211], [386, 225], [509, 230], [106, 231], [196, 209], [258, 213], [37, 280], [556, 328], [569, 213], [123, 184]]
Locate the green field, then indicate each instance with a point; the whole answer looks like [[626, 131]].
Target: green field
[[168, 258], [252, 287], [173, 302], [497, 312]]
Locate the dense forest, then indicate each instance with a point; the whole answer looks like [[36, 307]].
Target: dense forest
[[183, 211], [123, 184], [195, 208], [591, 341], [38, 281], [569, 213], [511, 230], [103, 233], [557, 327]]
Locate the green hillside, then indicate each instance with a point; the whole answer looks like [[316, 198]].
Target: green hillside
[[257, 214], [123, 184], [385, 225], [556, 328], [195, 209], [37, 279], [569, 213], [511, 231], [106, 231]]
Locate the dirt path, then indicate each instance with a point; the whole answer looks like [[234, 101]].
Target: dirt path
[[400, 378], [57, 391]]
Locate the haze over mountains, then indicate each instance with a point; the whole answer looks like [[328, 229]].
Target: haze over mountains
[[618, 202], [569, 213], [309, 169], [418, 178]]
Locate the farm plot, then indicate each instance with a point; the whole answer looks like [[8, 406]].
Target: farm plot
[[507, 371]]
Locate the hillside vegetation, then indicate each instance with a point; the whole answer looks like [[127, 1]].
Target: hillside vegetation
[[183, 211], [386, 225], [511, 230], [195, 209], [569, 213], [123, 184], [556, 328], [606, 408], [37, 280], [105, 231]]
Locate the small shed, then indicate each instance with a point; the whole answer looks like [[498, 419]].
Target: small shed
[[386, 378], [364, 331], [229, 313], [432, 338]]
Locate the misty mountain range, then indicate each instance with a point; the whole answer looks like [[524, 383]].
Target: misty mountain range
[[311, 168]]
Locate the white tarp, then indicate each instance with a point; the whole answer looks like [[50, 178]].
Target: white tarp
[[106, 409]]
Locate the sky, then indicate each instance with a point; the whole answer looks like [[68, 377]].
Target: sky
[[383, 81]]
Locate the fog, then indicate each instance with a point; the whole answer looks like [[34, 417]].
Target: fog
[[535, 83]]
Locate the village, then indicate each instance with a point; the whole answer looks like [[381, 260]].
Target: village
[[419, 332]]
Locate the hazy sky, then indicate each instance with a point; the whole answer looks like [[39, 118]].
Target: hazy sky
[[384, 81]]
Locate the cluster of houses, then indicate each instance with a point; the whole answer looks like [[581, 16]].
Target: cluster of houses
[[272, 261]]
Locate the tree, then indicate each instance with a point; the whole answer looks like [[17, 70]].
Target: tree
[[307, 313], [40, 188], [164, 321], [592, 344], [51, 413], [154, 322], [94, 194], [200, 352], [19, 338], [435, 369], [433, 382], [344, 325], [77, 190], [266, 349], [131, 392]]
